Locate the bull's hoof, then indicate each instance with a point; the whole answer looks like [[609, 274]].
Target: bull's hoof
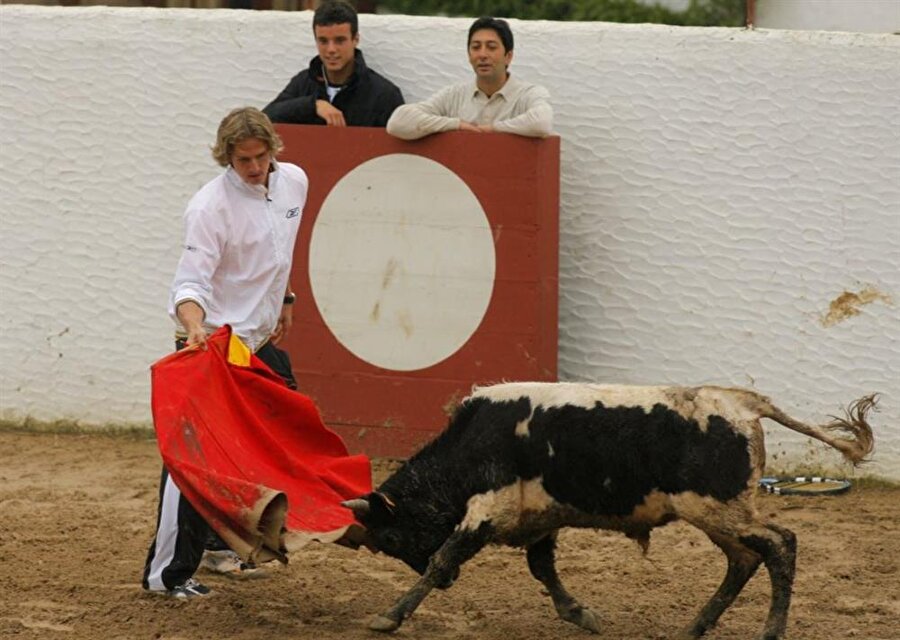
[[584, 618], [589, 621], [384, 624]]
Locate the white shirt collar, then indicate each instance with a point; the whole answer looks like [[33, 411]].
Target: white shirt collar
[[232, 176], [508, 91]]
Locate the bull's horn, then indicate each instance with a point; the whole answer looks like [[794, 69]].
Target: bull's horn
[[359, 506]]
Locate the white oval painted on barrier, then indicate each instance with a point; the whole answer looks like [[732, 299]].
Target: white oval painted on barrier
[[402, 262]]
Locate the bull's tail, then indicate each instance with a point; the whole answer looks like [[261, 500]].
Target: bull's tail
[[854, 440]]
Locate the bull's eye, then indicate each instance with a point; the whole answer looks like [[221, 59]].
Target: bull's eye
[[390, 540]]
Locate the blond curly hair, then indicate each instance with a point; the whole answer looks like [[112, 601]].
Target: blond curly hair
[[239, 125]]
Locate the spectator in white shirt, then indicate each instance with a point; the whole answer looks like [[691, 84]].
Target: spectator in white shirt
[[496, 101]]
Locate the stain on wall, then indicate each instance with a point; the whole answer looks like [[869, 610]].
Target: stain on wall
[[850, 303]]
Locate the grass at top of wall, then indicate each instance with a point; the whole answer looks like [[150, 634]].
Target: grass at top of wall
[[127, 431]]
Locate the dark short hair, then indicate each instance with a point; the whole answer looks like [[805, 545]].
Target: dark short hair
[[499, 25], [336, 12]]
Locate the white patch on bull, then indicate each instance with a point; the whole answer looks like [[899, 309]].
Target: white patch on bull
[[522, 428], [579, 394], [656, 506], [550, 452], [607, 483], [736, 406], [522, 507], [510, 508], [711, 514], [504, 508], [534, 497]]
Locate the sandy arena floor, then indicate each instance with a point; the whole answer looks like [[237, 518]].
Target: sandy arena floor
[[78, 512]]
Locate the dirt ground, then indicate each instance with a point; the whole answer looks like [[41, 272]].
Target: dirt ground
[[78, 512]]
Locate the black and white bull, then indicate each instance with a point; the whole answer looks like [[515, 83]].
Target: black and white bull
[[520, 461]]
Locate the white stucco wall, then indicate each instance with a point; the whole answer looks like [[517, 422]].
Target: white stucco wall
[[720, 188]]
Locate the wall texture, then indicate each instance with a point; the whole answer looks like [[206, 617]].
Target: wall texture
[[730, 199]]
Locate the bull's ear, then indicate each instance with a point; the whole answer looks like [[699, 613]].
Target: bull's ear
[[359, 506], [384, 501]]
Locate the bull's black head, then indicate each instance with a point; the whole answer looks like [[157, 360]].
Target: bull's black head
[[399, 531]]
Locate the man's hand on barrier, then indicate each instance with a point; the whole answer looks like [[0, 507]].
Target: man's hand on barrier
[[332, 116]]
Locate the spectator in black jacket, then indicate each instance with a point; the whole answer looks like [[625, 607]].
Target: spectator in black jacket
[[338, 89]]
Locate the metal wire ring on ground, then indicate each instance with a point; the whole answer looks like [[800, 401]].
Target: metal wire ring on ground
[[804, 486]]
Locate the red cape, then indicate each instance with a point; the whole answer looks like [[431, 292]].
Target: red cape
[[253, 457]]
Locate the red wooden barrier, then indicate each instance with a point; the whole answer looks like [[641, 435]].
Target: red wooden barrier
[[381, 410]]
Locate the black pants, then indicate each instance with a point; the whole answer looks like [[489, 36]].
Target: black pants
[[181, 533], [279, 362]]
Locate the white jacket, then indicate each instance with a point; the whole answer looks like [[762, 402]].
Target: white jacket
[[238, 247]]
